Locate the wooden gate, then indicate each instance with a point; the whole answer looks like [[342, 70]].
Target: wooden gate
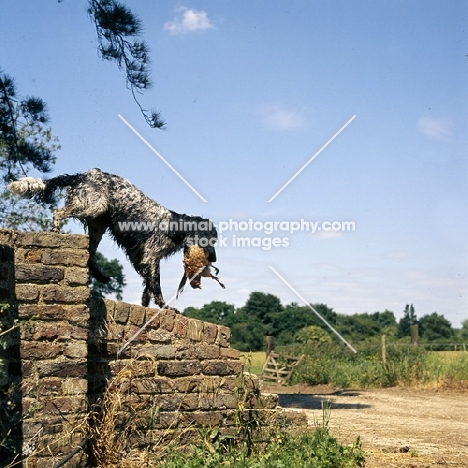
[[279, 369]]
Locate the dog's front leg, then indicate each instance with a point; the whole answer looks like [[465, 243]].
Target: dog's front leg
[[58, 216]]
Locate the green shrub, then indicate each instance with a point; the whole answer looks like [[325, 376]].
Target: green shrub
[[405, 365], [313, 449]]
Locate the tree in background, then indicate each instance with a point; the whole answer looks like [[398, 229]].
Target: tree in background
[[312, 334], [118, 30], [409, 318], [262, 306], [435, 327], [114, 270], [247, 331], [215, 312], [26, 144], [464, 329], [287, 322]]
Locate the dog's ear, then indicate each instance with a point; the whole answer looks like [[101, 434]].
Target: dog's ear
[[211, 253]]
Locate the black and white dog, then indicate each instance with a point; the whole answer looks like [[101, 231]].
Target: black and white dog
[[146, 231]]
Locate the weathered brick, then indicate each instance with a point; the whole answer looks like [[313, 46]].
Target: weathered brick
[[75, 276], [153, 385], [180, 326], [65, 404], [76, 349], [179, 369], [210, 332], [58, 331], [178, 401], [74, 386], [108, 307], [197, 384], [197, 351], [38, 350], [224, 335], [131, 331], [206, 418], [28, 255], [228, 383], [217, 401], [62, 369], [7, 237], [122, 312], [160, 352], [77, 314], [50, 239], [153, 315], [167, 319], [65, 294], [42, 311], [221, 367], [194, 330], [147, 368], [229, 353], [26, 292], [44, 387], [137, 314], [67, 257], [38, 274], [159, 336]]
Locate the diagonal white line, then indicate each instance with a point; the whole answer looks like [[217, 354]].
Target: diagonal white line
[[312, 158], [311, 308], [166, 304], [160, 157]]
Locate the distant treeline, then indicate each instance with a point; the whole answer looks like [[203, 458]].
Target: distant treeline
[[264, 314]]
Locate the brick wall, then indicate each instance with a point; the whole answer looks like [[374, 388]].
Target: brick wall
[[44, 280], [177, 375]]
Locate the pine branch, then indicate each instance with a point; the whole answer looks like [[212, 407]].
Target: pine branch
[[115, 25]]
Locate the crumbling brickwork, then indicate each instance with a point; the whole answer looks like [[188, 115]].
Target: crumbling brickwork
[[61, 359]]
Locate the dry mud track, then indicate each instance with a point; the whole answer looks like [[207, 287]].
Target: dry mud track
[[399, 427]]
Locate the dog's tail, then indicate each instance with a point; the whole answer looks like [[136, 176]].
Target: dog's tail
[[41, 190]]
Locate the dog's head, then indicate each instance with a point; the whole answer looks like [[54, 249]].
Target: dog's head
[[203, 234]]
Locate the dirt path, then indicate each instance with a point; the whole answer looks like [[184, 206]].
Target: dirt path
[[398, 427]]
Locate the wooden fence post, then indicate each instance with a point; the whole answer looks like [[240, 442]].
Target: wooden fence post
[[270, 344], [384, 352], [414, 335]]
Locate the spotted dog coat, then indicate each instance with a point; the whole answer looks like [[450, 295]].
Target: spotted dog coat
[[105, 202]]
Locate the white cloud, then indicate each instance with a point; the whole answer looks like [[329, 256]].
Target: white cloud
[[282, 119], [436, 129], [188, 21]]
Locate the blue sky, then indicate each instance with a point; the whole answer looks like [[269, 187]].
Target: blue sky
[[250, 92]]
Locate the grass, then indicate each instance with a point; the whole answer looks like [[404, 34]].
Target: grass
[[406, 366], [313, 449], [310, 449], [254, 361]]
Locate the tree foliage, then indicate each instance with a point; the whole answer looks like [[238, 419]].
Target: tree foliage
[[114, 270], [433, 327], [118, 31], [312, 334], [409, 318], [263, 314], [26, 144]]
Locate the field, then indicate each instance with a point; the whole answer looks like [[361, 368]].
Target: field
[[399, 426]]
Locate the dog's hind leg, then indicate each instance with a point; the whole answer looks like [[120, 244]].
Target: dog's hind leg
[[96, 229], [152, 282]]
